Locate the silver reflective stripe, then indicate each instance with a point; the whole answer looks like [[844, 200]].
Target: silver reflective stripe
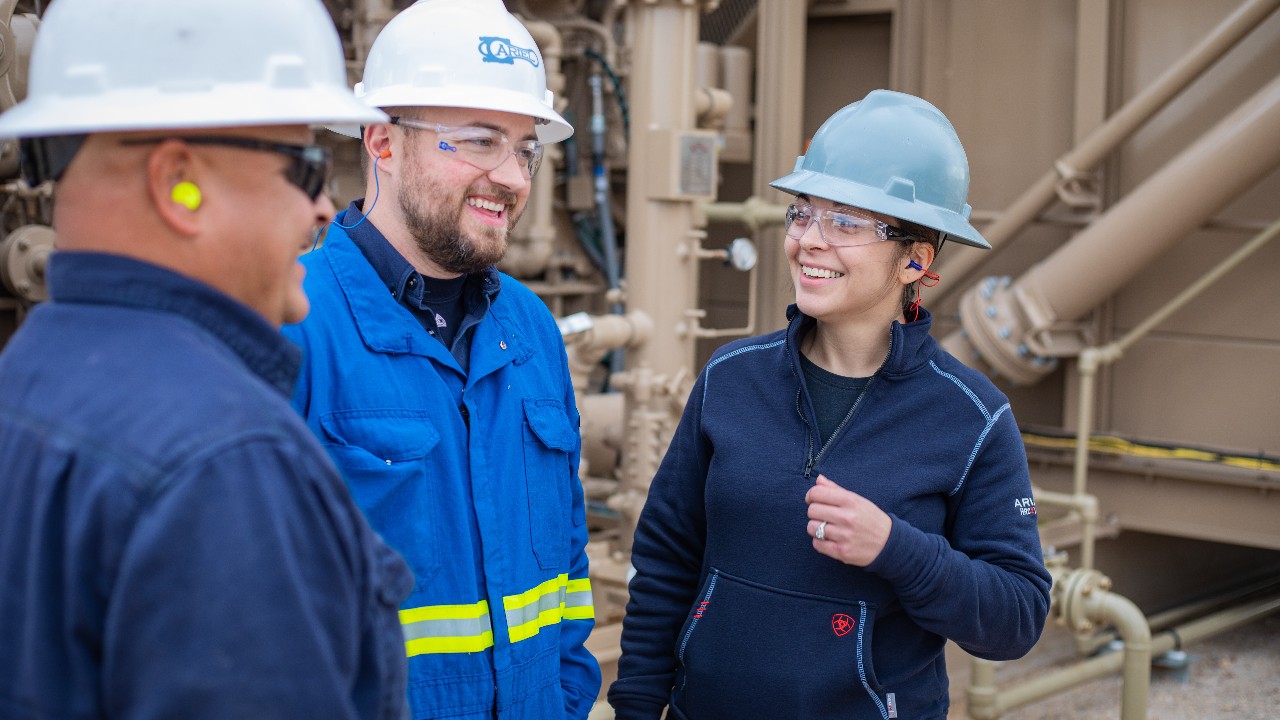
[[447, 628], [433, 629], [547, 604]]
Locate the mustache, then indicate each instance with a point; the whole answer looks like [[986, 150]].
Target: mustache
[[494, 192]]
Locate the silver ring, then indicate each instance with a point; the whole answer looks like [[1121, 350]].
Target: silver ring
[[822, 530]]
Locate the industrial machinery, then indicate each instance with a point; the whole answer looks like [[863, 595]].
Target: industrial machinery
[[1124, 156]]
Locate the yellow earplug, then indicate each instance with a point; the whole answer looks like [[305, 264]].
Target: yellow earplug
[[186, 194]]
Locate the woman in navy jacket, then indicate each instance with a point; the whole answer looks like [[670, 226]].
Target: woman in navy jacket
[[841, 497]]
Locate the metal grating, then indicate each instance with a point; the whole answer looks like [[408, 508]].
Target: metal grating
[[722, 23]]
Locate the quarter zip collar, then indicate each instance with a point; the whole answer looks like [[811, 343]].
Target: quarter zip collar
[[907, 342], [902, 357]]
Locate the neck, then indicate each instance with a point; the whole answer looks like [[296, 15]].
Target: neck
[[848, 349]]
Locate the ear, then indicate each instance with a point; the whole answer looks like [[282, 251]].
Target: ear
[[921, 254], [169, 166], [377, 142]]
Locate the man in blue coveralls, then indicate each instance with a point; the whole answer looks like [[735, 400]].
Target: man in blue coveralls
[[173, 541], [440, 386]]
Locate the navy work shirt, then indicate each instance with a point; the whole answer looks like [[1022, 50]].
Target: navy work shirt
[[173, 541], [446, 308]]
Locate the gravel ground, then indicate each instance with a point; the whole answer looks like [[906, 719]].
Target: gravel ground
[[1233, 675]]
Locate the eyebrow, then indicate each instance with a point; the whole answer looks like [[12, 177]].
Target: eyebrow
[[496, 128], [841, 207]]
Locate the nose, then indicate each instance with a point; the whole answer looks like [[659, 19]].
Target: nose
[[324, 208], [812, 236], [509, 173]]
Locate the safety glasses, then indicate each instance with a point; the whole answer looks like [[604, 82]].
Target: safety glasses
[[840, 228], [309, 170], [481, 147]]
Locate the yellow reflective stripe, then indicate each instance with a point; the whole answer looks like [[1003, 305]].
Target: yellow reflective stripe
[[447, 628], [578, 604], [547, 604], [554, 585], [438, 645]]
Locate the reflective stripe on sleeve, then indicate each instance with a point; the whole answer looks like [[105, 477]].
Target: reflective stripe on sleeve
[[447, 628], [547, 604]]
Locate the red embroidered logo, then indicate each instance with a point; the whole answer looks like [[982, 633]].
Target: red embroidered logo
[[841, 624]]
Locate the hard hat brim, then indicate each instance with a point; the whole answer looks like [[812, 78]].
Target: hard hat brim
[[553, 130], [235, 107], [818, 185]]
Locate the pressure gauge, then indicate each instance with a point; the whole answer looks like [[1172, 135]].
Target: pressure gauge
[[741, 254]]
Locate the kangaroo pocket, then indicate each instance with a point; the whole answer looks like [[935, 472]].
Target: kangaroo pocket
[[381, 455], [548, 439], [748, 650]]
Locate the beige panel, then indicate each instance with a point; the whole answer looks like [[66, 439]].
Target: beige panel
[[1240, 306], [848, 57], [1155, 35], [1006, 82], [1216, 393]]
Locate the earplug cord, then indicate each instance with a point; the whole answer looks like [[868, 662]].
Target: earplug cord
[[377, 190]]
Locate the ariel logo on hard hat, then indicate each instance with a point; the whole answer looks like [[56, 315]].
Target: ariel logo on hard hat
[[500, 50]]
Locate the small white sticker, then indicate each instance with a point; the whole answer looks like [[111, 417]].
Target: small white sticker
[[893, 705]]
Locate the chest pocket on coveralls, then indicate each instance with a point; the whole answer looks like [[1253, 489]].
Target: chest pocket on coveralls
[[380, 454], [548, 440]]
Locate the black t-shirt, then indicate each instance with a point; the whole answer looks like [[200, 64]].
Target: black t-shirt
[[832, 395]]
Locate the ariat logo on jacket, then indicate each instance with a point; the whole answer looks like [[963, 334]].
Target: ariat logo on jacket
[[1025, 506], [500, 50], [842, 624]]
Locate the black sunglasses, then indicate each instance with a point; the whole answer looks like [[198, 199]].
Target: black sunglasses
[[46, 158], [309, 170]]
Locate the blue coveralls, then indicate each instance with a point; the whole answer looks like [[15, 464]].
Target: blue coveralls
[[472, 475]]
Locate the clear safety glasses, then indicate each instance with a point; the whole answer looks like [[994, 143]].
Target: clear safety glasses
[[482, 147], [840, 228], [309, 170]]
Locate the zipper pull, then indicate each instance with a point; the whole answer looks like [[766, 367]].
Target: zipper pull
[[808, 468]]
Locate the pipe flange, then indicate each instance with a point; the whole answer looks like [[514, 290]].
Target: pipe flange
[[989, 313], [24, 255], [1073, 595]]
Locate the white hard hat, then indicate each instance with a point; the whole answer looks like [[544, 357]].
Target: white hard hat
[[119, 65], [460, 53]]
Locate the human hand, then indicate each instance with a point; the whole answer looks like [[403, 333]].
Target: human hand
[[854, 529]]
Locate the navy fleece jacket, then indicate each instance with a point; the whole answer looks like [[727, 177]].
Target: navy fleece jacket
[[733, 614]]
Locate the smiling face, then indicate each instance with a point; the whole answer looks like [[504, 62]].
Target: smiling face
[[846, 284], [458, 215]]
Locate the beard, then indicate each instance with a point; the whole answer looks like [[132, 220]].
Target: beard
[[437, 228]]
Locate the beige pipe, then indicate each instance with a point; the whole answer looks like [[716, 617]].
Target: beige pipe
[[1002, 701], [534, 236], [711, 105], [609, 47], [735, 76], [1091, 151], [1001, 323], [1082, 505], [662, 102], [782, 27], [1094, 357], [753, 212], [664, 38], [1167, 619]]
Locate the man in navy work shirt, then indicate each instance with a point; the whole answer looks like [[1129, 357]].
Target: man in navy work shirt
[[173, 541]]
